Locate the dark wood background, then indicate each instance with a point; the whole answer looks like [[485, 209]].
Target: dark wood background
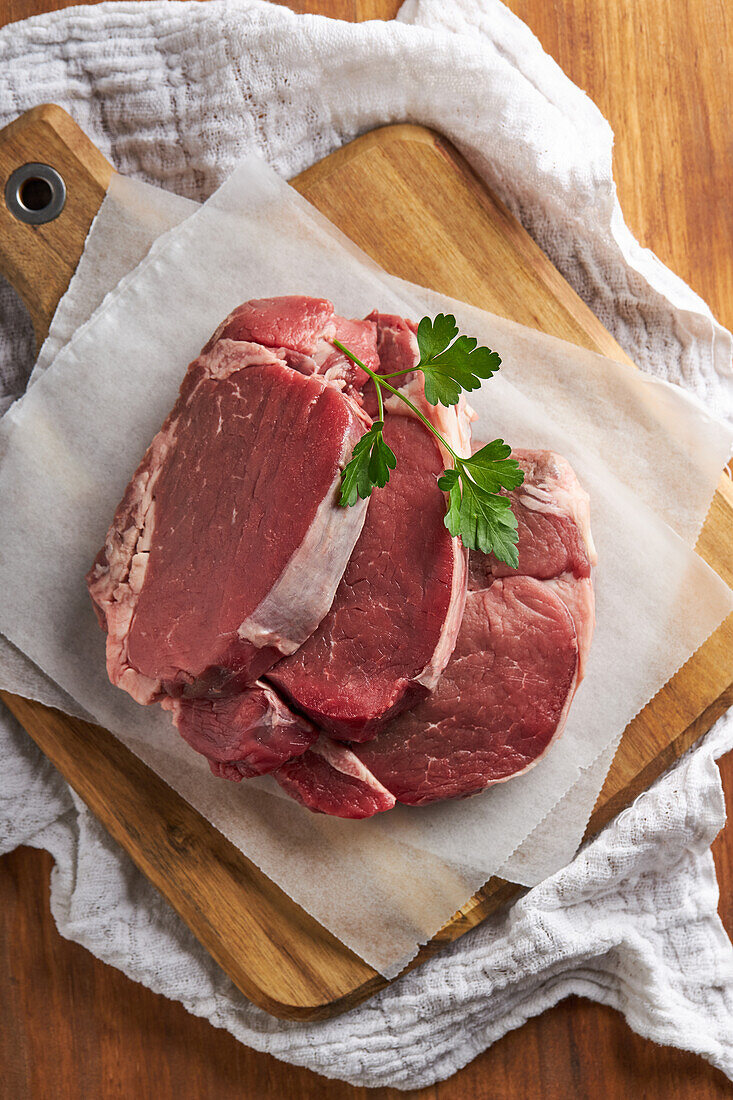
[[71, 1027]]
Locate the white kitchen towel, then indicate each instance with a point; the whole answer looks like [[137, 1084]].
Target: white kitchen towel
[[176, 93]]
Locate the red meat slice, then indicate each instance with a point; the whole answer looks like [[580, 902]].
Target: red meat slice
[[397, 611], [229, 544], [520, 654], [555, 542], [499, 704], [553, 524], [301, 330], [242, 735], [328, 778], [294, 323]]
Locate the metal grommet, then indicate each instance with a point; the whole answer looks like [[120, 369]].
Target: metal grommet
[[35, 194]]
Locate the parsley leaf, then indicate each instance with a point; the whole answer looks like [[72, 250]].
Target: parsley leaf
[[477, 513], [493, 469], [451, 365], [483, 521], [369, 466]]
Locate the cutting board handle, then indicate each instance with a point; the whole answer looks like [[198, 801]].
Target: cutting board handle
[[52, 183]]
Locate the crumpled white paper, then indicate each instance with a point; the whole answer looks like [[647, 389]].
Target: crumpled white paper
[[386, 885]]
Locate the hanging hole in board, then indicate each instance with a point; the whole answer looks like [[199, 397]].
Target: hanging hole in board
[[35, 193]]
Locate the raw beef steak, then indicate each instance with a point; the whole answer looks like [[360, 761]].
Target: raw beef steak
[[301, 330], [242, 735], [555, 540], [498, 705], [328, 778], [520, 655], [228, 545], [553, 522], [229, 560], [397, 612]]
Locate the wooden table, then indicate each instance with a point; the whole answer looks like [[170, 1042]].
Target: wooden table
[[73, 1027]]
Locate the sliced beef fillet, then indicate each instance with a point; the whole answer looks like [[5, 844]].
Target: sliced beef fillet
[[229, 544], [294, 323], [397, 612], [242, 735], [553, 523], [507, 689], [329, 779], [519, 658], [498, 705]]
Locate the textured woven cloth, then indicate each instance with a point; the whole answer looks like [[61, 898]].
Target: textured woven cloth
[[176, 94]]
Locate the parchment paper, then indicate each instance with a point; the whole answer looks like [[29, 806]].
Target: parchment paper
[[386, 885]]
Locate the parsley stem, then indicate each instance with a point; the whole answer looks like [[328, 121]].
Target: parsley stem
[[378, 380], [397, 373], [380, 401], [417, 413]]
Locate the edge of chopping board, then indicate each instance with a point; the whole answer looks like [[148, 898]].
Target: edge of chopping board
[[176, 848], [39, 260], [294, 967], [564, 309]]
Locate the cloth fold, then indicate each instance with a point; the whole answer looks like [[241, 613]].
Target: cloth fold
[[175, 93]]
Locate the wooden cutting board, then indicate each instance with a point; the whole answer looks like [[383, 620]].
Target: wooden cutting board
[[408, 199]]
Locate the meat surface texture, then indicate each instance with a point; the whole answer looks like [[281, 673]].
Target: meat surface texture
[[553, 521], [302, 331], [555, 541], [396, 614], [229, 544], [242, 735], [397, 350]]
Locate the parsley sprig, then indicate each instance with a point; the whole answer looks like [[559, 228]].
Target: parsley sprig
[[477, 512]]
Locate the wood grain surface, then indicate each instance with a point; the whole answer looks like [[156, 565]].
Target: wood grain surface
[[655, 70]]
